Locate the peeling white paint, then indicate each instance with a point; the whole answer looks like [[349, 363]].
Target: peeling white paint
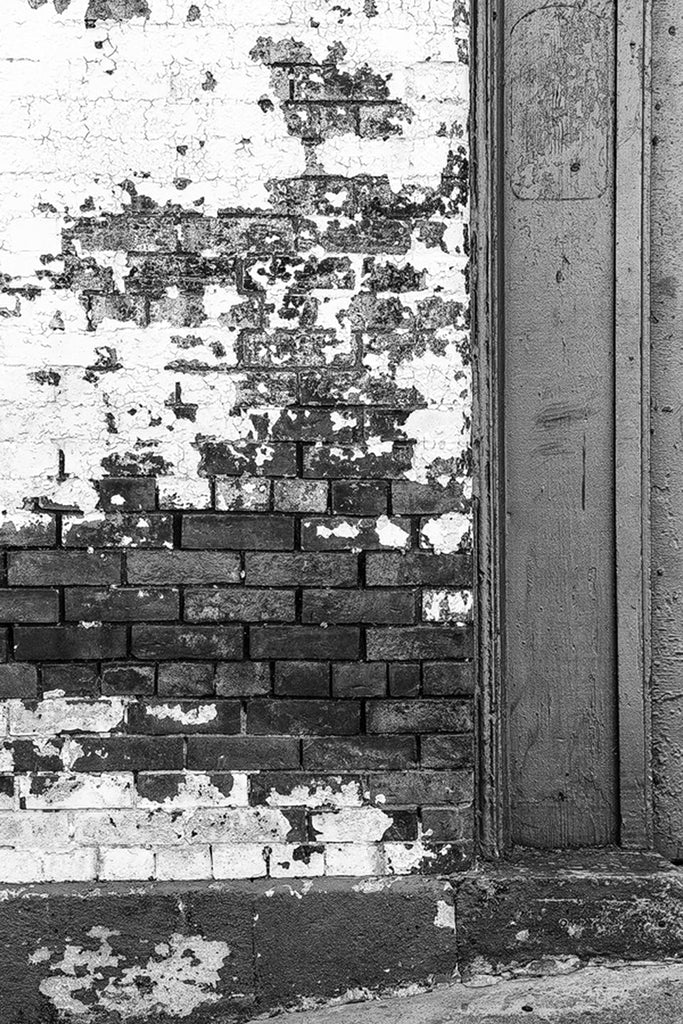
[[200, 715]]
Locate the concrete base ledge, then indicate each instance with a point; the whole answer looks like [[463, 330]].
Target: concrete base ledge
[[130, 953]]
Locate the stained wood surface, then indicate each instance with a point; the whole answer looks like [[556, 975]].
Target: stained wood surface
[[560, 620]]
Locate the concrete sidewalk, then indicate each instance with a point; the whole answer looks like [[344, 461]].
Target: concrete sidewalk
[[615, 994]]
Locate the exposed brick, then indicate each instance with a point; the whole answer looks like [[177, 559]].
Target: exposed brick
[[220, 458], [302, 679], [238, 604], [160, 717], [342, 426], [118, 530], [18, 681], [418, 642], [75, 680], [420, 787], [338, 533], [447, 751], [68, 643], [185, 679], [227, 531], [303, 717], [125, 494], [128, 753], [28, 568], [127, 678], [384, 606], [302, 568], [404, 680], [187, 642], [182, 567], [395, 570], [243, 494], [242, 753], [359, 497], [444, 823], [305, 642], [423, 716], [359, 679], [448, 678], [361, 752], [37, 534], [344, 461], [410, 498], [243, 679], [4, 644], [300, 495], [121, 604], [29, 606]]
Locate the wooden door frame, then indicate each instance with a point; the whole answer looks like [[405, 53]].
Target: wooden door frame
[[631, 337]]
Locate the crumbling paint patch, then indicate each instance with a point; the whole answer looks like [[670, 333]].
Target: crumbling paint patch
[[180, 976]]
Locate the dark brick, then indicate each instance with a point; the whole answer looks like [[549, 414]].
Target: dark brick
[[76, 680], [339, 533], [443, 823], [220, 458], [238, 604], [358, 606], [69, 643], [302, 568], [447, 751], [160, 717], [238, 532], [359, 679], [121, 604], [157, 787], [243, 679], [18, 681], [410, 498], [403, 828], [420, 787], [303, 718], [390, 569], [36, 756], [29, 606], [125, 494], [404, 680], [150, 530], [242, 753], [417, 642], [359, 497], [4, 644], [237, 235], [341, 461], [361, 752], [33, 535], [300, 495], [138, 232], [26, 568], [129, 753], [379, 235], [313, 643], [302, 678], [185, 679], [423, 716], [203, 642], [127, 678], [314, 425], [448, 678], [183, 567]]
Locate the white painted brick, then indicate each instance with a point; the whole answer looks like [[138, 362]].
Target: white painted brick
[[351, 825], [126, 864], [239, 860], [354, 859], [78, 790], [237, 825], [296, 860], [65, 714], [20, 865], [197, 790], [180, 492], [74, 866], [183, 862], [40, 830], [127, 828]]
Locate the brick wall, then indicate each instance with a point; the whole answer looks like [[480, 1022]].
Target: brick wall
[[234, 401]]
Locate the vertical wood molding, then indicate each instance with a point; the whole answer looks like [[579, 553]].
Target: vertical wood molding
[[486, 296], [632, 403]]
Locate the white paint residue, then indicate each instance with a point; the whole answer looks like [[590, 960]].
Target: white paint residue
[[445, 915], [321, 793], [341, 530], [196, 789], [182, 974], [365, 825], [391, 535], [200, 715], [446, 605], [51, 717], [446, 534]]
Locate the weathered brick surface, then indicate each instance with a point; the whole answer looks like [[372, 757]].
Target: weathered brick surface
[[235, 569]]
